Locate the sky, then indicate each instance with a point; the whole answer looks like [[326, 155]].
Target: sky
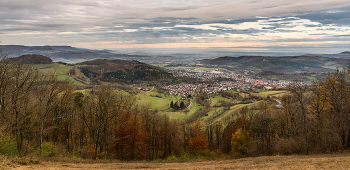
[[312, 26]]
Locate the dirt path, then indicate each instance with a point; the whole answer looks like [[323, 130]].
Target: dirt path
[[324, 161], [279, 105], [151, 89], [171, 114], [188, 107]]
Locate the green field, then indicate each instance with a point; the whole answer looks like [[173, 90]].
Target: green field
[[299, 59], [61, 71], [160, 65], [149, 98], [269, 92], [162, 104], [332, 65], [183, 115], [198, 68], [231, 113]]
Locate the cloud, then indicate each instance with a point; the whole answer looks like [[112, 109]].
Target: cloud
[[91, 23], [327, 17]]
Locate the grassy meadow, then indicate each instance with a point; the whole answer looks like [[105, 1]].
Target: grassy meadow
[[61, 71]]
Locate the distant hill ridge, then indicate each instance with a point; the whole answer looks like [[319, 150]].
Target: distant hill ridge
[[288, 64], [66, 54], [345, 53]]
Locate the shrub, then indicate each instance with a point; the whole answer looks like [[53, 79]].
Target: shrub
[[190, 157], [48, 149], [209, 154], [8, 147], [172, 158]]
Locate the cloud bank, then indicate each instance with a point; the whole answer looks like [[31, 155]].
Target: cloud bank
[[269, 24]]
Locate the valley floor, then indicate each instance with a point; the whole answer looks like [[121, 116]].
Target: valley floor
[[321, 161]]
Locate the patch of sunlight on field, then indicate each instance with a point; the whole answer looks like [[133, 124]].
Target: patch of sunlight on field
[[65, 77], [198, 68], [60, 70], [155, 100], [216, 99], [271, 93], [233, 109], [160, 65], [299, 59]]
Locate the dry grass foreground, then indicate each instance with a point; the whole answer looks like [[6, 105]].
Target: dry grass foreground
[[323, 161]]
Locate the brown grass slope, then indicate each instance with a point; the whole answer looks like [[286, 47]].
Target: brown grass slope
[[321, 161]]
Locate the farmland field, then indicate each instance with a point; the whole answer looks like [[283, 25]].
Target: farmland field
[[155, 100]]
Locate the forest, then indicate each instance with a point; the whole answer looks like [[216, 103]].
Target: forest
[[122, 71], [40, 115]]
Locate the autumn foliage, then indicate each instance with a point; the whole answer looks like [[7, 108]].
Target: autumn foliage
[[198, 142], [239, 138], [130, 137]]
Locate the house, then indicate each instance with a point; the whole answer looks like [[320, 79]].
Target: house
[[268, 88]]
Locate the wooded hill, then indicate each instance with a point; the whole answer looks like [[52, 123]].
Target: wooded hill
[[122, 70], [32, 59], [291, 64]]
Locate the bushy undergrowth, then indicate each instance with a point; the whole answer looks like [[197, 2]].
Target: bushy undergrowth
[[8, 147], [193, 156], [49, 149]]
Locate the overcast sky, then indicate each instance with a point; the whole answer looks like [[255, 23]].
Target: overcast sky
[[237, 25]]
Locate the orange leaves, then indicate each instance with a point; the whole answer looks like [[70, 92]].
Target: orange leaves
[[130, 137], [240, 123], [199, 141]]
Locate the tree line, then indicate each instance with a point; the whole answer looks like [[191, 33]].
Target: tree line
[[37, 111], [311, 120]]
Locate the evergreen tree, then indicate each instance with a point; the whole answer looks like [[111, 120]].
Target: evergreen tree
[[182, 105]]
